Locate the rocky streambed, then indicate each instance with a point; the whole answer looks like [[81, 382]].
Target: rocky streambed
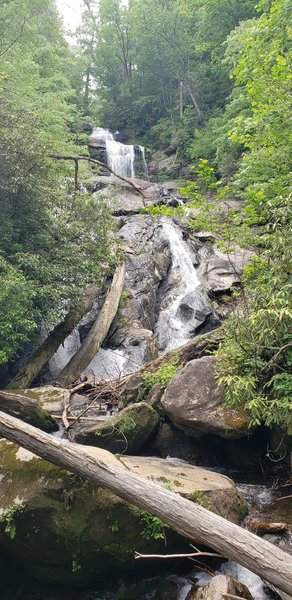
[[153, 407]]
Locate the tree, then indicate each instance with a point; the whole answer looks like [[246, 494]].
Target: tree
[[255, 357], [53, 242]]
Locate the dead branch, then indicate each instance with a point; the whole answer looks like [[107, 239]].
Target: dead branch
[[66, 402], [101, 164], [138, 556], [231, 596], [42, 355]]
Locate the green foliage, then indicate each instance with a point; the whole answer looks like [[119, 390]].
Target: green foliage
[[256, 356], [200, 498], [163, 375], [153, 527], [16, 305], [143, 54], [76, 566], [9, 519], [53, 242], [114, 527]]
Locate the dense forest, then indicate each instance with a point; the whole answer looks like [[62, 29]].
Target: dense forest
[[207, 81]]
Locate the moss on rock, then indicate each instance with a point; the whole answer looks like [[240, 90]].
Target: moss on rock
[[127, 432], [65, 530]]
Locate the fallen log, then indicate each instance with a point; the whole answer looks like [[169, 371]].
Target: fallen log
[[28, 410], [185, 517], [42, 355], [98, 332]]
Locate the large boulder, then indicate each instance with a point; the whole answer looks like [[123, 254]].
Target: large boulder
[[220, 272], [68, 531], [50, 398], [195, 403], [122, 198], [221, 587], [127, 432], [211, 490]]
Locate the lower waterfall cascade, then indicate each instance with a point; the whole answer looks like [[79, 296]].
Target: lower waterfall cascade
[[183, 308]]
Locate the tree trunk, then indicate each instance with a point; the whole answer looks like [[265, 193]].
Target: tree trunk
[[185, 517], [193, 97], [98, 332], [28, 410], [181, 99], [42, 355]]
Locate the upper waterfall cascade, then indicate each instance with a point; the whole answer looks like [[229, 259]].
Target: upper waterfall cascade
[[120, 157]]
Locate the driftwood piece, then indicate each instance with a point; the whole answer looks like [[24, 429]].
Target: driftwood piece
[[42, 355], [98, 332], [185, 517], [263, 527]]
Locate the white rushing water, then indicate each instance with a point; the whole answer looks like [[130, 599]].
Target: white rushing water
[[144, 162], [183, 303], [120, 157]]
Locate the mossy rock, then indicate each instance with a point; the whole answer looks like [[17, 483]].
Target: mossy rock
[[64, 530], [125, 433], [194, 402]]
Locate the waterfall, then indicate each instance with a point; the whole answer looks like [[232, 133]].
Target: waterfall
[[144, 163], [183, 307], [186, 304], [120, 157]]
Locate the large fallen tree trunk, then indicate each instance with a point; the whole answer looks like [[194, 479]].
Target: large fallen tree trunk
[[42, 355], [185, 517], [98, 332]]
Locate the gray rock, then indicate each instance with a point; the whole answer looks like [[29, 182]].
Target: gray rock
[[121, 197], [67, 531], [174, 443], [18, 405], [219, 587], [220, 272], [194, 403]]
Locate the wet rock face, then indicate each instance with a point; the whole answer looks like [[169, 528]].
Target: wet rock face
[[148, 261], [131, 341], [67, 531], [194, 403]]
